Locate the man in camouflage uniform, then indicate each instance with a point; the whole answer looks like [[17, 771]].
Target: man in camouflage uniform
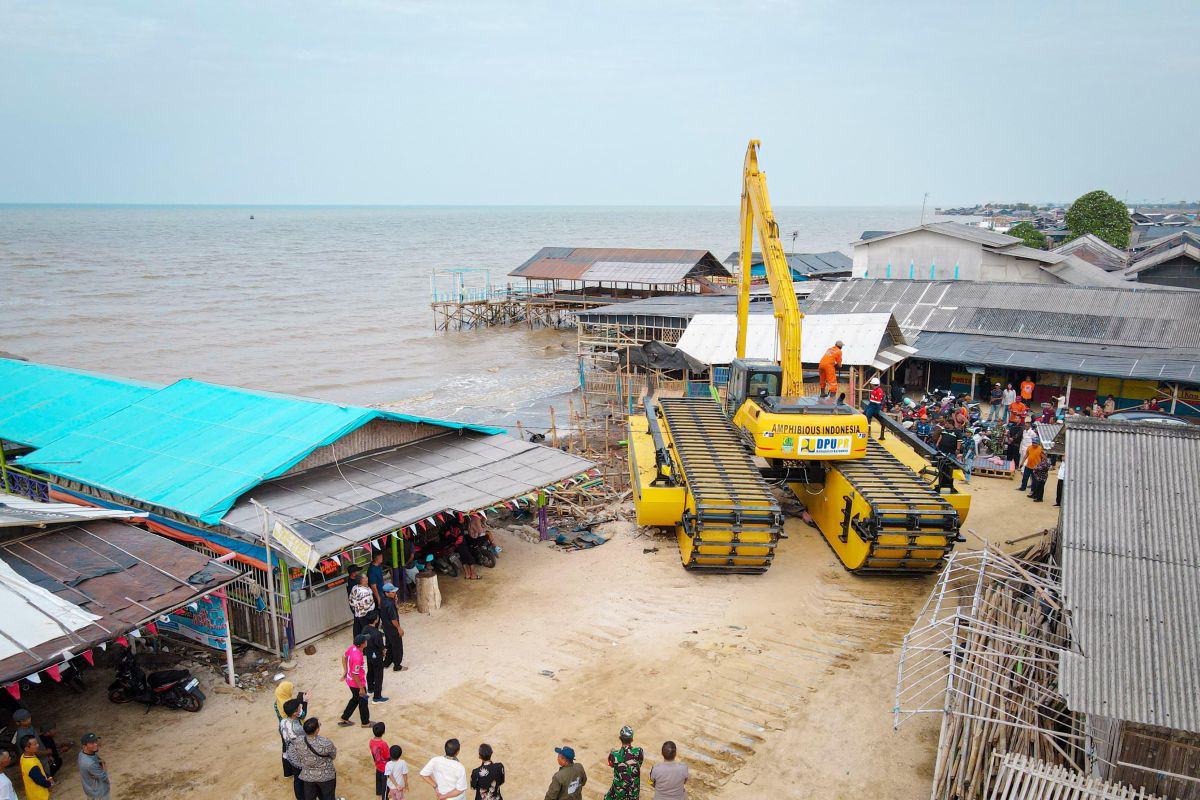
[[626, 763]]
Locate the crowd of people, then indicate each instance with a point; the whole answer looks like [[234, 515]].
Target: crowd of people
[[310, 760], [39, 757], [1007, 436]]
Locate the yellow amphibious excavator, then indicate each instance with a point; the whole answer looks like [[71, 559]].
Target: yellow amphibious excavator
[[693, 464]]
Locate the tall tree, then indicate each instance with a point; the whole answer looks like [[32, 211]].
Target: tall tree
[[1101, 214], [1030, 235]]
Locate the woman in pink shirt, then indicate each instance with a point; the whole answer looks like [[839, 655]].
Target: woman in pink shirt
[[354, 672]]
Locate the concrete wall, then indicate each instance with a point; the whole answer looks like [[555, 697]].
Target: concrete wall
[[922, 250], [934, 255]]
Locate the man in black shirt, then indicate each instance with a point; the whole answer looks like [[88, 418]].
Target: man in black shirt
[[373, 653], [389, 618]]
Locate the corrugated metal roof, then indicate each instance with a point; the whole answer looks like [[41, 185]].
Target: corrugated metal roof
[[711, 338], [1078, 272], [802, 265], [625, 272], [194, 447], [970, 233], [337, 506], [1093, 249], [1080, 358], [1131, 571], [619, 265], [1142, 318], [673, 309], [40, 402], [1022, 251], [120, 573], [1158, 256], [16, 511]]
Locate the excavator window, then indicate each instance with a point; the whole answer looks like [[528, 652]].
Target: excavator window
[[763, 384]]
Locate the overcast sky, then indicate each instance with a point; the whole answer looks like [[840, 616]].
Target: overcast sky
[[639, 102]]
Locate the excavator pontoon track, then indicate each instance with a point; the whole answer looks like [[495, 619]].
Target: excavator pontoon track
[[881, 517], [731, 521]]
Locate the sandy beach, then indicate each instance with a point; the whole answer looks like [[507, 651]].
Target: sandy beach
[[780, 684]]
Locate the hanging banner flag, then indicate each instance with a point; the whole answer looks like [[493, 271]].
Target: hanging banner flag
[[135, 633], [34, 678], [103, 646], [295, 545], [153, 629], [88, 657], [15, 690], [54, 672], [206, 625]]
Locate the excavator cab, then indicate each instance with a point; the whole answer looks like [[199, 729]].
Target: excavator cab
[[790, 428], [752, 379]]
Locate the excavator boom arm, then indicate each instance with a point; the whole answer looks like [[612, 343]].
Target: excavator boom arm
[[757, 216]]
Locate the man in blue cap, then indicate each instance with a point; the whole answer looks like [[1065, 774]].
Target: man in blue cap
[[568, 782], [389, 621]]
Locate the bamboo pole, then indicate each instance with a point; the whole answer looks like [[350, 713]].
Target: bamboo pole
[[553, 429]]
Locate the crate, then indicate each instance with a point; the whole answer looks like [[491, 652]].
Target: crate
[[984, 466]]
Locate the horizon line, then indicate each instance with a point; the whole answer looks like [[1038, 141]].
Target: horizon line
[[85, 204]]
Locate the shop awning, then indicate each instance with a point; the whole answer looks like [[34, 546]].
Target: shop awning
[[73, 587], [344, 504]]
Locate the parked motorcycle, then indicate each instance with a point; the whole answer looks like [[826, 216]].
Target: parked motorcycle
[[173, 688]]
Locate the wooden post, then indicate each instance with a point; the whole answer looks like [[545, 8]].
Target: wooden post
[[553, 429], [429, 597], [520, 431], [1174, 397], [573, 422]]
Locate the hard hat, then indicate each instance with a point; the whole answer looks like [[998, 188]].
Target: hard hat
[[874, 381]]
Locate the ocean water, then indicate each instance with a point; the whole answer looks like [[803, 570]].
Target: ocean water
[[327, 302]]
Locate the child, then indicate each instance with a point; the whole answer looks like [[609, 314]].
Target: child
[[379, 754], [396, 775]]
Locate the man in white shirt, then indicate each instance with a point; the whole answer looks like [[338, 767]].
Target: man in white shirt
[[6, 787], [446, 775], [1008, 398]]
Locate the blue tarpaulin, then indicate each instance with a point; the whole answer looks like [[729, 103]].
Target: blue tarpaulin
[[40, 403], [194, 447]]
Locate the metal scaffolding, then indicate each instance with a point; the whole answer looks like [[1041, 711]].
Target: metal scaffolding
[[984, 653]]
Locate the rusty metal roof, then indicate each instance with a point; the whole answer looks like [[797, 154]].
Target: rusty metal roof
[[619, 265], [124, 575]]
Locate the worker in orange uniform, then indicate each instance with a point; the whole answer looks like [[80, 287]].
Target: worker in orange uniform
[[827, 369], [1016, 412], [1027, 387]]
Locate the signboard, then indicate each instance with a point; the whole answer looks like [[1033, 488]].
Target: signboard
[[818, 445], [205, 623], [295, 545]]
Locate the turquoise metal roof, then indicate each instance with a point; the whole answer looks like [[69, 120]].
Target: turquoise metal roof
[[40, 403], [194, 447]]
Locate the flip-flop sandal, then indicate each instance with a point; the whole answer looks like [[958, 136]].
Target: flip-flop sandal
[[345, 723]]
